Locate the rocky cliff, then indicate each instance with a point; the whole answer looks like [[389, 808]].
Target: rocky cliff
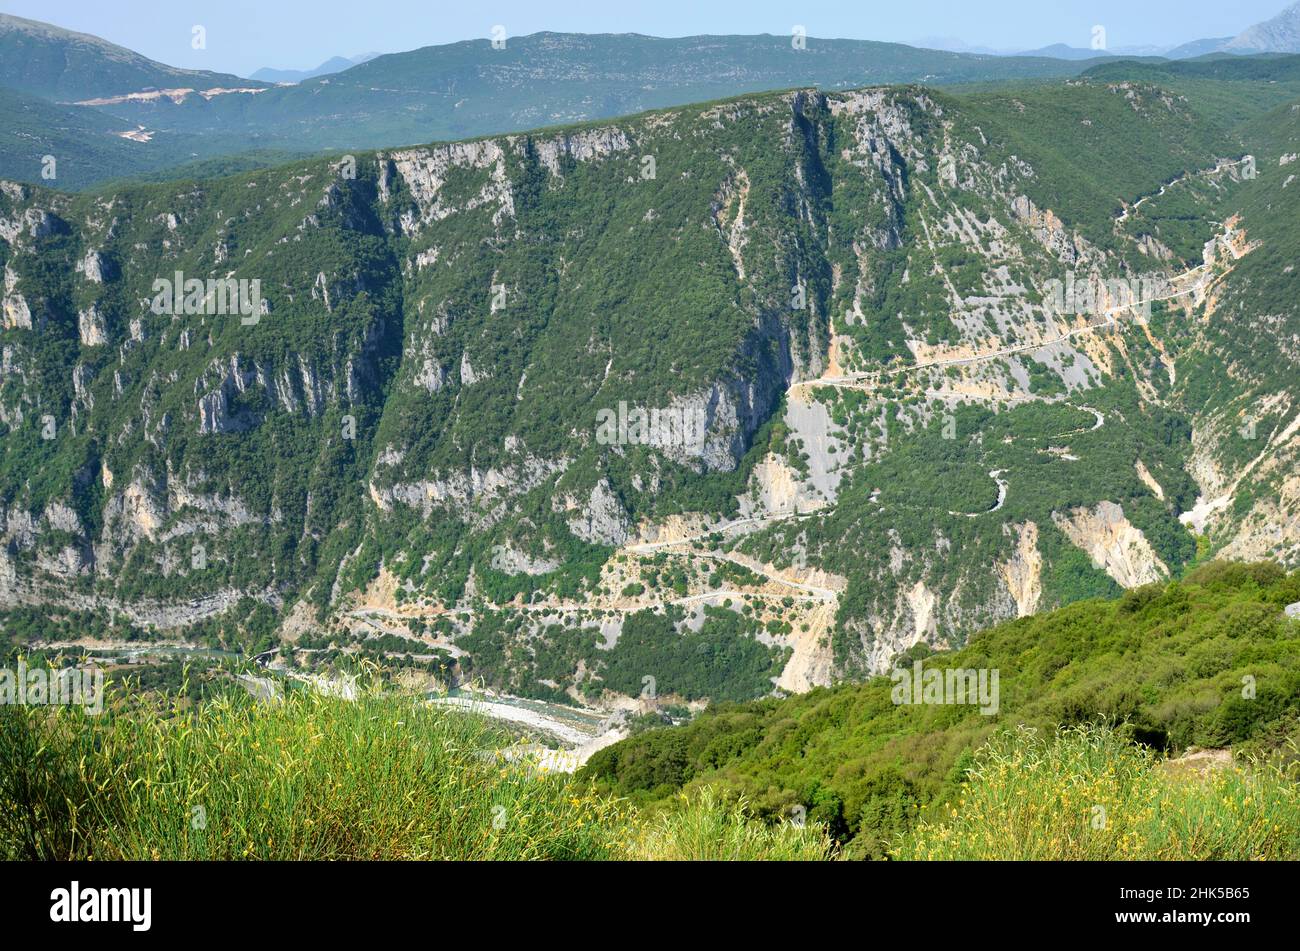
[[817, 328]]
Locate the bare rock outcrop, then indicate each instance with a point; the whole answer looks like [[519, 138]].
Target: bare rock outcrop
[[1114, 544]]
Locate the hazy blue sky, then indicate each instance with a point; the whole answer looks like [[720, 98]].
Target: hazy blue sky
[[243, 35]]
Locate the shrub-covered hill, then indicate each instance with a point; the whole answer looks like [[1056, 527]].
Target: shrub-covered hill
[[1208, 661]]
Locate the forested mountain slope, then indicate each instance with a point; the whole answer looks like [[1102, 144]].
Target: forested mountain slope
[[883, 367], [1207, 662]]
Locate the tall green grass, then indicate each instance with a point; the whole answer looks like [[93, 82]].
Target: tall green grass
[[310, 777], [705, 827], [316, 777], [1086, 794]]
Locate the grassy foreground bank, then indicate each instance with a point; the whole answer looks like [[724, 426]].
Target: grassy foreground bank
[[315, 777], [389, 777]]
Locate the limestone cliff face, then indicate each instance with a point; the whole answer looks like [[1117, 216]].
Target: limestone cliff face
[[1114, 544], [1023, 571], [446, 203], [846, 291], [600, 519]]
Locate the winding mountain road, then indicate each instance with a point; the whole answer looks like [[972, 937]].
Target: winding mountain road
[[996, 475], [813, 591], [868, 378]]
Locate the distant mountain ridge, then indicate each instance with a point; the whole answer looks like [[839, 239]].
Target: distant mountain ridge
[[452, 91], [1063, 51], [1281, 34], [47, 61], [335, 64], [1278, 35], [1199, 48], [458, 90]]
